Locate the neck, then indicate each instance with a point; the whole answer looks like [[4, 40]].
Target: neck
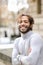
[[26, 35]]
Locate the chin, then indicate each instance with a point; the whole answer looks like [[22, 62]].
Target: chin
[[23, 32]]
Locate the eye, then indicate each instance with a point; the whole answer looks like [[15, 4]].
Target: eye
[[19, 22], [26, 21]]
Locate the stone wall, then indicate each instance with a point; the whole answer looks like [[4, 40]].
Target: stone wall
[[5, 60], [38, 18]]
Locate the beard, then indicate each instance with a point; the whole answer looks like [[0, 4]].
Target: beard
[[28, 29]]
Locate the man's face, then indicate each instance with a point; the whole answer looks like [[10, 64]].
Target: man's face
[[24, 24]]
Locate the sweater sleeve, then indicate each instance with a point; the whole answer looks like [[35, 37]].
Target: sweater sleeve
[[33, 57], [15, 53]]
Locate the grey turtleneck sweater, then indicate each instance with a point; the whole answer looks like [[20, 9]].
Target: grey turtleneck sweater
[[28, 50]]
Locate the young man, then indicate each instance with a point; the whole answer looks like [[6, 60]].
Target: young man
[[28, 49]]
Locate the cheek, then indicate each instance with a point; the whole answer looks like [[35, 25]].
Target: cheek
[[24, 25], [27, 25], [19, 25]]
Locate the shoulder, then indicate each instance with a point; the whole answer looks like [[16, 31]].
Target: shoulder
[[36, 38], [36, 35], [17, 40]]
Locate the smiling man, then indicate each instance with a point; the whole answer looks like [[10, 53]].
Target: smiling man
[[28, 49]]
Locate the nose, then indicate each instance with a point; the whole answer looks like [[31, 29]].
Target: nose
[[23, 24]]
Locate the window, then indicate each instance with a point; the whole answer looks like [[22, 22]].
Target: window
[[16, 5]]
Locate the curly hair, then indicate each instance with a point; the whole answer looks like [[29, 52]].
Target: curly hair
[[30, 19]]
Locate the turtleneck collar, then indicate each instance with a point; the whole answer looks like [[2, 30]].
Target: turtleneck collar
[[26, 35]]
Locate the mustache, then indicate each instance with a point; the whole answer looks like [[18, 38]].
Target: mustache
[[28, 29], [23, 26]]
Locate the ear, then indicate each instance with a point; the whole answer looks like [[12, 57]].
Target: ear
[[31, 26]]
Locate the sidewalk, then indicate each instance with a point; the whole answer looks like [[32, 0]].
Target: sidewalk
[[2, 62], [5, 54]]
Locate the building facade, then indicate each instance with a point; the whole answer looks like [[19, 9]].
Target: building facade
[[8, 23], [7, 18]]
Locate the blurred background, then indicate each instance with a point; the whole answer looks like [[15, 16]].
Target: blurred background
[[9, 11]]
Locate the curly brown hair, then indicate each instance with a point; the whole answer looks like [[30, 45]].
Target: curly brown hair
[[31, 20]]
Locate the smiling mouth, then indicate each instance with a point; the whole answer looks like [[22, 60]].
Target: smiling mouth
[[22, 27]]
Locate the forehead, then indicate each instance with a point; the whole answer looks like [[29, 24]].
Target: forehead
[[21, 18], [24, 18]]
